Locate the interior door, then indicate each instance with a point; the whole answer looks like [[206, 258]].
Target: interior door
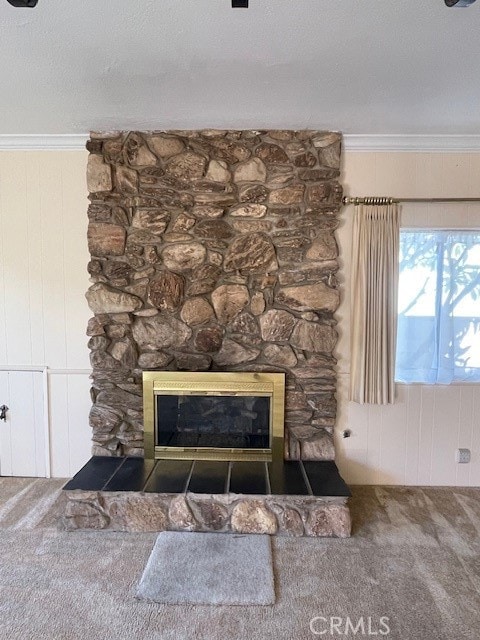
[[22, 433]]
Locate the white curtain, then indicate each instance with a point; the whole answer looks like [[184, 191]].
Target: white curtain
[[374, 285]]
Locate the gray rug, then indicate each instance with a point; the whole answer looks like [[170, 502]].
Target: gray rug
[[209, 568]]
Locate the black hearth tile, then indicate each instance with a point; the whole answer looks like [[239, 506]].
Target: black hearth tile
[[95, 474], [248, 477], [208, 477], [131, 476], [286, 478], [325, 479], [169, 476]]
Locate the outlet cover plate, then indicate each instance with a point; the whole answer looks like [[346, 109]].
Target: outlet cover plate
[[462, 456]]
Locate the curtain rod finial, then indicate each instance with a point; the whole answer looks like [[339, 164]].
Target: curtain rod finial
[[370, 200]]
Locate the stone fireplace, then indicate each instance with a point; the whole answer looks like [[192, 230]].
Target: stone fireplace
[[213, 251], [213, 258]]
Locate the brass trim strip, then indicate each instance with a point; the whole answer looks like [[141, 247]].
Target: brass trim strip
[[228, 455], [212, 387], [148, 417], [214, 393]]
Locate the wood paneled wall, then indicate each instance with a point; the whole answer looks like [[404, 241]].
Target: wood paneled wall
[[43, 279], [414, 441], [43, 313]]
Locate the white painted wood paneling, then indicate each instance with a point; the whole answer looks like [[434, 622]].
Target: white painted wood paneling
[[35, 280], [413, 441], [446, 426], [52, 232], [70, 433], [5, 429], [43, 279], [77, 257], [22, 436], [425, 450], [79, 431], [43, 259], [43, 313], [59, 427], [465, 432], [475, 464], [15, 261]]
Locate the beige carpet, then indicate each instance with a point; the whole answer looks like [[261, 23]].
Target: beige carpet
[[414, 559]]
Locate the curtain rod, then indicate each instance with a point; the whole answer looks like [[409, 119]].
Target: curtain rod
[[381, 200]]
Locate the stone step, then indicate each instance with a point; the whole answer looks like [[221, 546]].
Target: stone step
[[282, 497]]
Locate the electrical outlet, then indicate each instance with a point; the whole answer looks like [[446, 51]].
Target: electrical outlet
[[462, 456]]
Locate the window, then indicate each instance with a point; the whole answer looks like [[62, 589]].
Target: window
[[438, 339]]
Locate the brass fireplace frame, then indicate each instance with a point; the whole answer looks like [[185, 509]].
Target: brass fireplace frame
[[271, 385]]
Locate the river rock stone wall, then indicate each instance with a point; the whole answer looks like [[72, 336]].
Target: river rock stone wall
[[228, 513], [213, 250]]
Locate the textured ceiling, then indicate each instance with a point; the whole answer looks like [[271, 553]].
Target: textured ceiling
[[360, 66]]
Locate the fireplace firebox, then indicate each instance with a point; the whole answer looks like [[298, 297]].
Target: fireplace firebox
[[213, 415]]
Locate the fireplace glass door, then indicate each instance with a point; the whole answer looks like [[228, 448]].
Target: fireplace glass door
[[213, 415], [214, 420]]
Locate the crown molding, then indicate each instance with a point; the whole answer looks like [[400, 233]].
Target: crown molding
[[351, 142], [413, 143], [54, 142]]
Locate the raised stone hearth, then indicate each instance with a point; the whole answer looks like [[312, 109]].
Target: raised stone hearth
[[213, 250], [130, 494]]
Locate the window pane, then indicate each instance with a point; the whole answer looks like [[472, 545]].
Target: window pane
[[439, 307]]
